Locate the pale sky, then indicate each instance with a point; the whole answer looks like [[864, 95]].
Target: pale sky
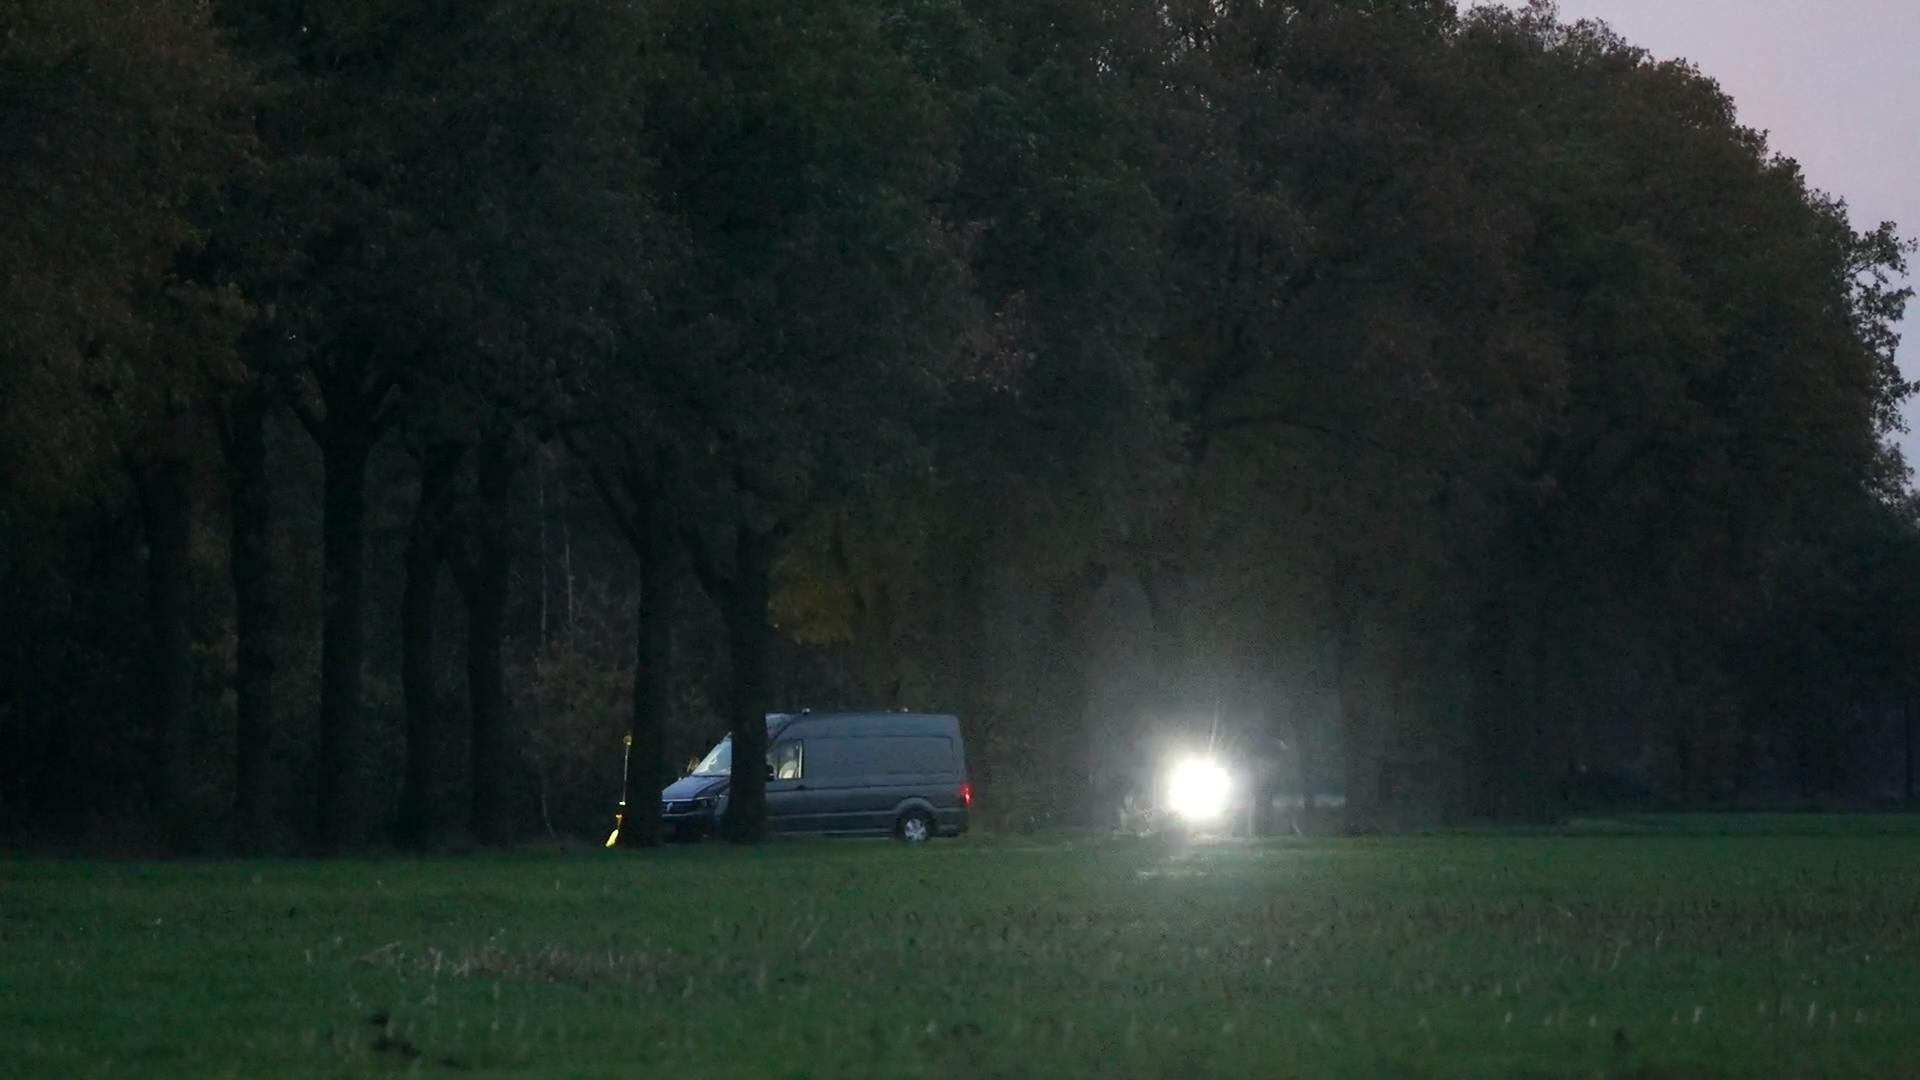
[[1835, 83]]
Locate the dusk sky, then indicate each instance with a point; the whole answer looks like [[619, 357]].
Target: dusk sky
[[1835, 83]]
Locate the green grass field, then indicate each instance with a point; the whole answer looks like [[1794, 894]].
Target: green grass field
[[1691, 950]]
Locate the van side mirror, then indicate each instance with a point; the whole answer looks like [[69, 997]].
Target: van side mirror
[[770, 770]]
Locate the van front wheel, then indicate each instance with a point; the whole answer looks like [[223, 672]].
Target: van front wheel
[[914, 827]]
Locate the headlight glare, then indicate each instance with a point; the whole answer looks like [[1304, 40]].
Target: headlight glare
[[1197, 789]]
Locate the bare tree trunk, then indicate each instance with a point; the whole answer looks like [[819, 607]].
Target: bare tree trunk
[[342, 637], [426, 551], [413, 829], [750, 641], [244, 445], [652, 670], [166, 499]]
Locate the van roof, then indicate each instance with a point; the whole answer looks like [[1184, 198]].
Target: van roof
[[875, 721]]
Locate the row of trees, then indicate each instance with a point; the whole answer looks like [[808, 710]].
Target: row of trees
[[1462, 397]]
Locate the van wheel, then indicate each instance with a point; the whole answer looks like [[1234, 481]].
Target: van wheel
[[914, 827]]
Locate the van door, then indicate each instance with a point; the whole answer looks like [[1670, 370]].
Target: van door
[[795, 798], [789, 800], [845, 784]]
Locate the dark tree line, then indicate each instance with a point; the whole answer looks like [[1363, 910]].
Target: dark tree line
[[1460, 411]]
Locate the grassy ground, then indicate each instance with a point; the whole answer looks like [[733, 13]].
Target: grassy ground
[[1688, 951]]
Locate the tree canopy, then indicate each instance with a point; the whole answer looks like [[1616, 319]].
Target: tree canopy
[[1459, 410]]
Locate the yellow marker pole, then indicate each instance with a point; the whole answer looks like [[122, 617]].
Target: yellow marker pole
[[620, 815]]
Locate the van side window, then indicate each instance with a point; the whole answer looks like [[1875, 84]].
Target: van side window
[[787, 760]]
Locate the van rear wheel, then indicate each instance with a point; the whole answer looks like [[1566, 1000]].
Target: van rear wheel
[[914, 827]]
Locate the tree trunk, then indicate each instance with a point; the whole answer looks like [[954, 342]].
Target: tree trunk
[[486, 690], [342, 637], [652, 672], [251, 541], [484, 585], [750, 640], [166, 500], [414, 827]]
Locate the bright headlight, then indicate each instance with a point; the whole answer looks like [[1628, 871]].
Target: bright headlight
[[1197, 789]]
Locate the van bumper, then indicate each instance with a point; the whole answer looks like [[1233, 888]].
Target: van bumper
[[688, 826], [951, 822]]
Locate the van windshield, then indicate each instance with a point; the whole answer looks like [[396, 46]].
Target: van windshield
[[719, 760]]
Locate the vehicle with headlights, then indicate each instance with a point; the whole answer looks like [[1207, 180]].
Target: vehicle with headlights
[[1193, 794], [875, 773]]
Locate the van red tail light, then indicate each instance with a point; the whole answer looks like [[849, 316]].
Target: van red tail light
[[966, 795]]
